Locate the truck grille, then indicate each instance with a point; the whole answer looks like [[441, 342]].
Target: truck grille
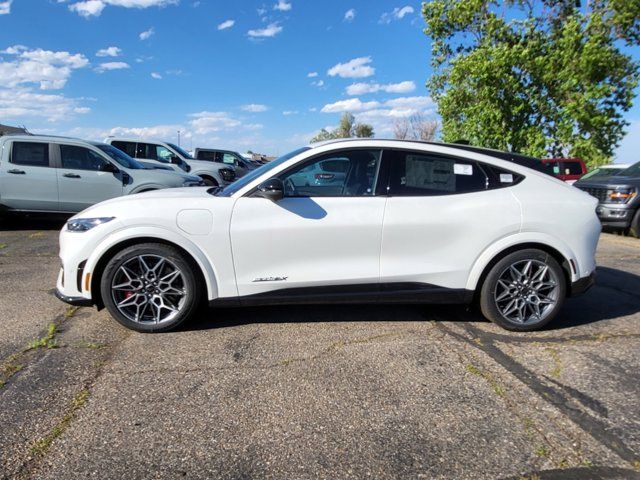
[[599, 193]]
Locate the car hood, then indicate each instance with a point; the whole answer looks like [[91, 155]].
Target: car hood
[[155, 166], [156, 202], [613, 182], [170, 178], [204, 165]]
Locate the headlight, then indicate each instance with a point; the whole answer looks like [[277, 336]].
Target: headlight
[[84, 224], [227, 174], [623, 195]]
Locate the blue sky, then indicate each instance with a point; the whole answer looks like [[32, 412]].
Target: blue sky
[[245, 75]]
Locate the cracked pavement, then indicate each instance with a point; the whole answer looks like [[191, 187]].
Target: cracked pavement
[[317, 391]]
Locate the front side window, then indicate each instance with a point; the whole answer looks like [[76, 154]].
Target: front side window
[[80, 158], [163, 154], [229, 159], [423, 174], [31, 154], [348, 173]]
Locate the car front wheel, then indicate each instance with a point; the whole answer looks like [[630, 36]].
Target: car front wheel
[[524, 291], [150, 287]]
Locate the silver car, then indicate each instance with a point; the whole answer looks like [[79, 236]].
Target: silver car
[[67, 175]]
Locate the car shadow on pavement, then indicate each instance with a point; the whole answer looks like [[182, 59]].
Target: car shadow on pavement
[[45, 221], [616, 294]]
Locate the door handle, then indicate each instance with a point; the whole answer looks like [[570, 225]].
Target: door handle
[[71, 175], [15, 171]]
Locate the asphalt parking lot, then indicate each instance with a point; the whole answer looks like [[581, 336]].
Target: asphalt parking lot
[[316, 392]]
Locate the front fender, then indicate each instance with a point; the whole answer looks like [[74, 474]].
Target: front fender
[[511, 241], [159, 233], [146, 187]]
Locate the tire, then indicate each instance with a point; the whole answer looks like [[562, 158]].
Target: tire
[[210, 182], [150, 287], [537, 293], [634, 228]]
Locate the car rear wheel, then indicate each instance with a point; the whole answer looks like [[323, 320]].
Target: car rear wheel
[[150, 287], [524, 291]]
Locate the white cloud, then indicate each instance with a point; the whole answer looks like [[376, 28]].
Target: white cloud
[[356, 68], [147, 34], [282, 5], [398, 13], [226, 24], [350, 105], [5, 7], [270, 30], [318, 83], [204, 123], [312, 74], [410, 102], [290, 112], [156, 131], [254, 108], [108, 66], [50, 70], [350, 14], [363, 88], [18, 104], [108, 52], [93, 8], [156, 75]]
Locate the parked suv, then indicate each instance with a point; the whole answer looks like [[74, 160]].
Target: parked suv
[[566, 169], [457, 225], [54, 174], [167, 154], [241, 165], [618, 197]]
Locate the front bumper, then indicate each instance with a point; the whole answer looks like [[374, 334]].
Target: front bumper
[[582, 284], [76, 301], [615, 217]]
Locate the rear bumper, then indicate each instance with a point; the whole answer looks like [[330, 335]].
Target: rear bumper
[[76, 301], [583, 284]]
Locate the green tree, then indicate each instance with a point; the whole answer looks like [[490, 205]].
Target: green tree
[[542, 77], [348, 128]]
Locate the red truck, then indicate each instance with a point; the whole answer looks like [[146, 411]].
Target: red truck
[[566, 169]]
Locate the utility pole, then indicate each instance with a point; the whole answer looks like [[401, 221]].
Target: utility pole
[[178, 137]]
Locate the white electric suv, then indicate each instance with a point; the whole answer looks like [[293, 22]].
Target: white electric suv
[[409, 222]]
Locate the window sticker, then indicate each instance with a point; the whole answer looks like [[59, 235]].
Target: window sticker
[[423, 172], [506, 178], [462, 169]]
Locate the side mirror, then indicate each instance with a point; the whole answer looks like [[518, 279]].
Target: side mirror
[[109, 167], [272, 189]]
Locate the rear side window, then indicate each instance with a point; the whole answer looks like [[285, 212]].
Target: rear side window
[[32, 154], [127, 147], [571, 168], [208, 156], [422, 174], [146, 150]]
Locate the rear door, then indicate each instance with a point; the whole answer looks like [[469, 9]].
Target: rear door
[[27, 178], [442, 212], [82, 182]]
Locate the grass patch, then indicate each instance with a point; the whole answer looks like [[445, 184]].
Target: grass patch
[[42, 446], [47, 341], [495, 386], [543, 451]]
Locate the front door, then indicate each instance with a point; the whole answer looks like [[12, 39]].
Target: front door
[[322, 234], [28, 180], [82, 181]]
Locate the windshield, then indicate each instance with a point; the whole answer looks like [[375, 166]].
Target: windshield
[[120, 157], [183, 153], [632, 171], [602, 172], [251, 176]]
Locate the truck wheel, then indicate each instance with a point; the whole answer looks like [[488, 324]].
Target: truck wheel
[[634, 228]]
